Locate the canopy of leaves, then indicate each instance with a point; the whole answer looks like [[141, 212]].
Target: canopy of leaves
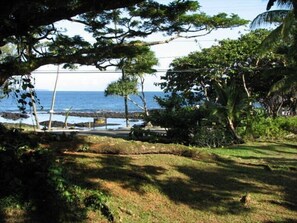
[[22, 17], [115, 25], [122, 87], [282, 39], [228, 61], [142, 64]]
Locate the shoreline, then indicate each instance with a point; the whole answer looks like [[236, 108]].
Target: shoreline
[[132, 115], [74, 119]]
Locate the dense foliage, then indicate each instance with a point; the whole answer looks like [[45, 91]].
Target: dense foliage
[[31, 178], [224, 84], [267, 128], [231, 61]]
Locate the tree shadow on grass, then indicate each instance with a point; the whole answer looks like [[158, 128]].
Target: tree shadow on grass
[[212, 190], [287, 220], [216, 189], [283, 178], [114, 168], [282, 168]]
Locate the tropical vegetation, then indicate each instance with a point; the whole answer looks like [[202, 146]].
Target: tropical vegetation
[[235, 92]]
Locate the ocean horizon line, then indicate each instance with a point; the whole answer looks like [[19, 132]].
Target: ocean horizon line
[[84, 90]]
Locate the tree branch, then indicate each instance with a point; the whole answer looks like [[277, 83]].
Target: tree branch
[[19, 17]]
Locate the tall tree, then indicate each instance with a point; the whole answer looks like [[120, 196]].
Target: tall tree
[[135, 21], [139, 67], [133, 72], [228, 78], [283, 40], [123, 87]]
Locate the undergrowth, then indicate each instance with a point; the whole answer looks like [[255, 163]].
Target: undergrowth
[[32, 180]]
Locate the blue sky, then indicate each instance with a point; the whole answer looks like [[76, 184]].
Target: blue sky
[[95, 81]]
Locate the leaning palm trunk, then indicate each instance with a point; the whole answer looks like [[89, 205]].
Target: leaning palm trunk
[[135, 103], [142, 97], [33, 99], [232, 129], [34, 109], [53, 100]]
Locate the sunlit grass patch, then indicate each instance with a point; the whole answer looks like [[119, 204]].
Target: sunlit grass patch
[[171, 188]]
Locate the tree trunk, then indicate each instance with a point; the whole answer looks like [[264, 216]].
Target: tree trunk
[[126, 110], [125, 102], [53, 100], [135, 103], [245, 87], [142, 97], [34, 110], [231, 127], [248, 93]]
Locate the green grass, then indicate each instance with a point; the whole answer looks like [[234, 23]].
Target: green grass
[[171, 188], [168, 183]]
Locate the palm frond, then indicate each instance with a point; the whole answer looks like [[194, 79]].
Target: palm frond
[[221, 93], [288, 25], [282, 32], [286, 84], [270, 41], [269, 17], [280, 3]]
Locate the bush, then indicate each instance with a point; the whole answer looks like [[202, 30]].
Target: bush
[[213, 137], [181, 123], [273, 128], [139, 133], [288, 124]]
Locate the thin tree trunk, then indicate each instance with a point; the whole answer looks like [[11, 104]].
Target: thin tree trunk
[[125, 102], [53, 100], [248, 93], [33, 106], [29, 51], [245, 87], [135, 103], [233, 131], [142, 97], [34, 110], [279, 108], [66, 118], [126, 110]]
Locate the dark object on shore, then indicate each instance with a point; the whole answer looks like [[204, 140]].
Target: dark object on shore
[[13, 116]]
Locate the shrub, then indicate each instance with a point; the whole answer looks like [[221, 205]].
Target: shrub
[[34, 176], [289, 124], [273, 128], [213, 137]]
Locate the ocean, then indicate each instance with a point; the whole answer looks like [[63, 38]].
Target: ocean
[[81, 101], [77, 101]]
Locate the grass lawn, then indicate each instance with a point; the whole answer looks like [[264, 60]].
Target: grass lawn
[[204, 187], [147, 182]]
